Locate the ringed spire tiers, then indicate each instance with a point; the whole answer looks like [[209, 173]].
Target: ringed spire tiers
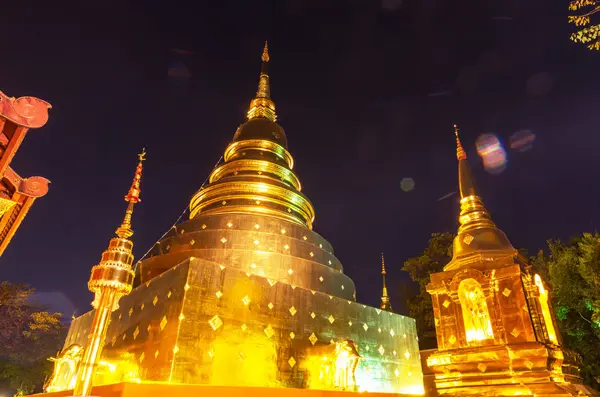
[[477, 235], [262, 105], [256, 176], [385, 299]]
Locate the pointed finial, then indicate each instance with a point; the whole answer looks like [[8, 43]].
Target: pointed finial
[[265, 54], [460, 152], [262, 105], [133, 197], [383, 265], [142, 156]]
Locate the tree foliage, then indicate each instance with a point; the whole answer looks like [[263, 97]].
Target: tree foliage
[[28, 336], [437, 254], [573, 271], [583, 10]]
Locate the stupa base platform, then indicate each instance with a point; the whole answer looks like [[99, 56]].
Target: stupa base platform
[[170, 390]]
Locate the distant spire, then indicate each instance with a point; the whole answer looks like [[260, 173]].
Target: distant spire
[[133, 197], [262, 105], [385, 299]]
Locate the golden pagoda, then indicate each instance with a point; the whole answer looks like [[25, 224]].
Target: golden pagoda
[[245, 293], [496, 330], [385, 299]]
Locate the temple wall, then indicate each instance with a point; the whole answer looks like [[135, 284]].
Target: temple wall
[[202, 323]]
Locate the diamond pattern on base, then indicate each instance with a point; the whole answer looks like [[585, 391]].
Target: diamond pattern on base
[[215, 322], [269, 331], [468, 239]]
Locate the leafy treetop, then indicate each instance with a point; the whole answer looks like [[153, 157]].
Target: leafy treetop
[[589, 35]]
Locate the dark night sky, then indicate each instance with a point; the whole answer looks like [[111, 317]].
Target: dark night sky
[[352, 82]]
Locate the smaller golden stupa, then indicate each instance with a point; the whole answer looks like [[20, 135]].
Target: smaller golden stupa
[[496, 330]]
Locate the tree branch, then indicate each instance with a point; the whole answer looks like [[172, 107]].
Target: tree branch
[[595, 10], [580, 315]]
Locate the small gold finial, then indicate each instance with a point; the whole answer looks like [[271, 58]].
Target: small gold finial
[[383, 266], [460, 152], [142, 156], [265, 54]]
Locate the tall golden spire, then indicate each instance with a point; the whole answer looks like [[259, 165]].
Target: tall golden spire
[[256, 176], [477, 233], [262, 105], [111, 279], [385, 299], [473, 213]]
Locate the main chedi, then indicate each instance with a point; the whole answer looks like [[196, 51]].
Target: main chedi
[[496, 330], [245, 293]]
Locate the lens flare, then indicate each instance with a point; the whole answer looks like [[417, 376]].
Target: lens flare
[[407, 184], [491, 151], [522, 140]]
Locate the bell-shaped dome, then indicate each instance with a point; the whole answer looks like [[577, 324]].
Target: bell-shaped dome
[[261, 128]]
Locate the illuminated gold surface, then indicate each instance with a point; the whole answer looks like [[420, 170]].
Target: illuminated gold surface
[[65, 369], [5, 205], [262, 105], [245, 293], [495, 328], [134, 389], [256, 176], [111, 279], [216, 325], [478, 237]]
